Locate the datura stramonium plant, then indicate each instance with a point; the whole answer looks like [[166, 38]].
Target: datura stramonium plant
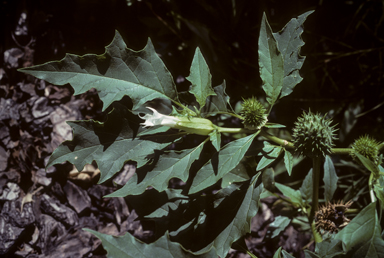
[[313, 136], [368, 147], [253, 113], [193, 125]]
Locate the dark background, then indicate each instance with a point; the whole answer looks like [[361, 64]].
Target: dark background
[[344, 45], [343, 71]]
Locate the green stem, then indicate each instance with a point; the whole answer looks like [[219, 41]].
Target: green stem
[[341, 151], [277, 140], [182, 106], [231, 114], [370, 184], [381, 146], [316, 161], [233, 130]]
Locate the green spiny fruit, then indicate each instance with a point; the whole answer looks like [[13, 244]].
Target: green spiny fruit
[[253, 113], [366, 146], [313, 136]]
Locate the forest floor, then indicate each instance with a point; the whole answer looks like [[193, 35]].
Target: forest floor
[[43, 210]]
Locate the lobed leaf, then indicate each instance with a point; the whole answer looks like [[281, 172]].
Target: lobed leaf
[[172, 164], [330, 179], [110, 144], [120, 71], [221, 164], [271, 62], [200, 77], [289, 42], [228, 219], [216, 103], [236, 175], [128, 246], [241, 223]]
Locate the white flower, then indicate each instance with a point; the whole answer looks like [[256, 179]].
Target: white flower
[[158, 119], [194, 125]]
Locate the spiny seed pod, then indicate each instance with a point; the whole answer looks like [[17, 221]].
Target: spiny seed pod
[[253, 113], [366, 146], [313, 136], [330, 218]]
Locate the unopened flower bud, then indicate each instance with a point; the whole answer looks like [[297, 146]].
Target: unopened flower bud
[[253, 113], [313, 135], [368, 147]]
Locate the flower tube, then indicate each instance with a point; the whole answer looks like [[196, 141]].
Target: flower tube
[[193, 125]]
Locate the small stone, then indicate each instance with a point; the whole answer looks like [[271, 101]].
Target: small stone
[[8, 235], [40, 108], [11, 210], [4, 155], [10, 193], [25, 250], [41, 177], [58, 211], [12, 56], [51, 232], [77, 197], [126, 173]]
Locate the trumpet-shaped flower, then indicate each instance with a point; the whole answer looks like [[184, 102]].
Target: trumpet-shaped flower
[[194, 125]]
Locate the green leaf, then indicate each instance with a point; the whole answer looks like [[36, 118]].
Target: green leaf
[[278, 253], [128, 246], [221, 164], [268, 179], [110, 144], [238, 174], [378, 188], [294, 195], [330, 179], [286, 254], [289, 43], [270, 62], [172, 164], [329, 248], [362, 236], [306, 187], [368, 164], [241, 223], [235, 205], [200, 77], [288, 161], [215, 138], [120, 71], [279, 225], [174, 197], [309, 254], [216, 103], [270, 153]]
